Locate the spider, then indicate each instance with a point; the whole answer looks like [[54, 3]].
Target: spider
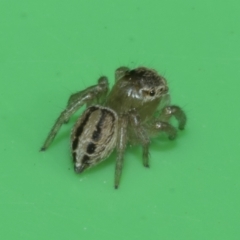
[[134, 110]]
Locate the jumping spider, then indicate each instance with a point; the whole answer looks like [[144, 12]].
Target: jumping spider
[[136, 108]]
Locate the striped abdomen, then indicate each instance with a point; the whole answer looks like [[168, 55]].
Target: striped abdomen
[[93, 137]]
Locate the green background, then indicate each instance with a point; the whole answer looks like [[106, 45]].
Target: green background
[[50, 49]]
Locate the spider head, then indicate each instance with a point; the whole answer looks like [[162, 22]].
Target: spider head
[[141, 88], [145, 84]]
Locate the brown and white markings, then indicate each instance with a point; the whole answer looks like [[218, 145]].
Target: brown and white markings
[[93, 137], [134, 110]]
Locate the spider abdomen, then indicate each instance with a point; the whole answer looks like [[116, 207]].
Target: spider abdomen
[[93, 137]]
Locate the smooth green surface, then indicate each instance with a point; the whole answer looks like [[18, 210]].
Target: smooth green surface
[[50, 49]]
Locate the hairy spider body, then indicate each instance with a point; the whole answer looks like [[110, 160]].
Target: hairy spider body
[[137, 108]]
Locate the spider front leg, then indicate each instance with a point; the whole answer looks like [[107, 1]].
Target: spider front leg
[[175, 111], [77, 100], [159, 126], [162, 122]]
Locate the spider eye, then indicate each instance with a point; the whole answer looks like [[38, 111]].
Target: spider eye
[[152, 93]]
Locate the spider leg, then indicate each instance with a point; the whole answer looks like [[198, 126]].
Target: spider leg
[[175, 111], [101, 90], [157, 126], [121, 146], [161, 123], [141, 135], [76, 101], [120, 72]]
